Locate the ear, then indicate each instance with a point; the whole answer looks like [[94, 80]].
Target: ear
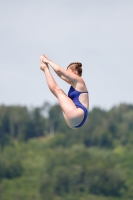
[[75, 72]]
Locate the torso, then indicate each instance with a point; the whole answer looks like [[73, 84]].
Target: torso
[[83, 97]]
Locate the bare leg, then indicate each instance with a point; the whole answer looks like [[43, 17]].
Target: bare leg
[[72, 114]]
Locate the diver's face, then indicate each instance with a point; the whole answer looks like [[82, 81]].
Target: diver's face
[[69, 69]]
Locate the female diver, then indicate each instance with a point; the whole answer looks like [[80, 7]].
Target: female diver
[[74, 106]]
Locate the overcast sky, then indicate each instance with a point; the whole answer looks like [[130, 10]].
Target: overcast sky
[[98, 33]]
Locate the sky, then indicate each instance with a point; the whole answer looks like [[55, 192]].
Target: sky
[[97, 33]]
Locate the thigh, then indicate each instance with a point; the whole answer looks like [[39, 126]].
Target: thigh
[[68, 107]]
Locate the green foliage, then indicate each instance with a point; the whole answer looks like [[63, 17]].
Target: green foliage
[[19, 123], [10, 167], [109, 182], [78, 171], [56, 120], [68, 173], [90, 163], [103, 128]]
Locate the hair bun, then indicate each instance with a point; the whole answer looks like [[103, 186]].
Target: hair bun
[[80, 64]]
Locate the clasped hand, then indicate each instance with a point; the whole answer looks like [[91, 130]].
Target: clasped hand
[[43, 62]]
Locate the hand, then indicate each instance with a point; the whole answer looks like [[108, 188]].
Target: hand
[[43, 66], [44, 59]]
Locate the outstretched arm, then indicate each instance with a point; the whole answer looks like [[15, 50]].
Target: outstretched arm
[[63, 74]]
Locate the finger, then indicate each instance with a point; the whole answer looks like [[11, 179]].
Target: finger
[[44, 61], [46, 57], [41, 58]]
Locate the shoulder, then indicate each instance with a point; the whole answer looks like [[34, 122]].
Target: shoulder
[[79, 84]]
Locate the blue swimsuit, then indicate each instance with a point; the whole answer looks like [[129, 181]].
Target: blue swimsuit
[[74, 95]]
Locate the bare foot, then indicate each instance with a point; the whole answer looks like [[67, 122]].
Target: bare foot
[[43, 66]]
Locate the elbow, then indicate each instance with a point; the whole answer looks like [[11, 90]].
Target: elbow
[[58, 70]]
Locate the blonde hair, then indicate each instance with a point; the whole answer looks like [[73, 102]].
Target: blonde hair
[[76, 66]]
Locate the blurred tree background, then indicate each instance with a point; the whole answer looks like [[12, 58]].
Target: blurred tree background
[[41, 158]]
